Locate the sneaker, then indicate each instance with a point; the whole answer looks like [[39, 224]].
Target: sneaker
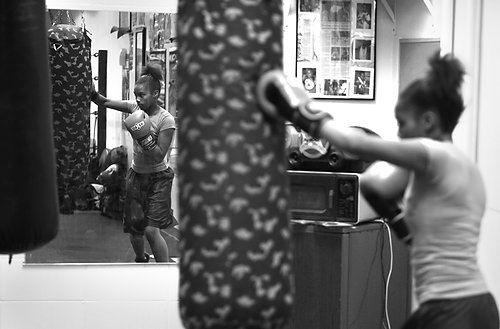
[[143, 260]]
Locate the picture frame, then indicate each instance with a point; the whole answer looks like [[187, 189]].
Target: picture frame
[[139, 49], [138, 19], [160, 56], [336, 43], [125, 21], [173, 61], [362, 82]]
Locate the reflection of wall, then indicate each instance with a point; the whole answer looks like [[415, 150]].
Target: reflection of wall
[[413, 59], [487, 142], [99, 24]]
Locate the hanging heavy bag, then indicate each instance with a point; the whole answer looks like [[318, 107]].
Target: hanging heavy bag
[[28, 199], [235, 265], [71, 75]]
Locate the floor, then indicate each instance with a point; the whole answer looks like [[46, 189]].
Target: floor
[[89, 237]]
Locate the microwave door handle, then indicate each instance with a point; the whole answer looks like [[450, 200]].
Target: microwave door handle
[[330, 198]]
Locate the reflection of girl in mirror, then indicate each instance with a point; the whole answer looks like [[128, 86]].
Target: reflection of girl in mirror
[[149, 180]]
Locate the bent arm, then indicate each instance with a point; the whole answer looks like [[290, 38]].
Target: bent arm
[[159, 151]]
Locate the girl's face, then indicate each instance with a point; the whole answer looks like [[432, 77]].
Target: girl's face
[[144, 97], [410, 123]]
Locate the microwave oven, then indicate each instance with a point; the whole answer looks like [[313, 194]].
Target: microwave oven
[[328, 196]]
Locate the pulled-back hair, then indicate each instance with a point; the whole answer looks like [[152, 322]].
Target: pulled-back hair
[[439, 90], [152, 76]]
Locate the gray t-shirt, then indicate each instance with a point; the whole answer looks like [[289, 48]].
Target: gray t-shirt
[[444, 207], [141, 162]]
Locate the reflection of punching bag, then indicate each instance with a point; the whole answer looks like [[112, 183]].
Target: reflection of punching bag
[[28, 198], [69, 54], [235, 268]]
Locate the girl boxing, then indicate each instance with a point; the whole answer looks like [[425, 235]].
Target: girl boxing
[[149, 180], [444, 194]]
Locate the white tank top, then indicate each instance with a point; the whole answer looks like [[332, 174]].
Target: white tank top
[[444, 206]]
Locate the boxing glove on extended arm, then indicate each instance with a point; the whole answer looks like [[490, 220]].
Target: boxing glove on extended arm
[[279, 97], [139, 126]]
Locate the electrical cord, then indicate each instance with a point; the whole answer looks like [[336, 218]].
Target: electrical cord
[[389, 274]]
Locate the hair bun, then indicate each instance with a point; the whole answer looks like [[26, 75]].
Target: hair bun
[[153, 70], [446, 72]]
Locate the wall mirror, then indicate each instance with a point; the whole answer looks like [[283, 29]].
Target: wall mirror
[[91, 231]]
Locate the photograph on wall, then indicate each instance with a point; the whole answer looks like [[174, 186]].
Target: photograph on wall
[[156, 31], [125, 21], [159, 56], [309, 5], [172, 79], [341, 38], [339, 54], [336, 87], [309, 79], [362, 85], [364, 12], [307, 38], [334, 38], [362, 50], [336, 13], [364, 16], [139, 50], [138, 19]]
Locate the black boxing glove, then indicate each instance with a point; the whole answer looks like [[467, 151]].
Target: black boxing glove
[[279, 97], [390, 211]]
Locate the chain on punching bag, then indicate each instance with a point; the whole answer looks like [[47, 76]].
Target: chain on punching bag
[[235, 268], [28, 202]]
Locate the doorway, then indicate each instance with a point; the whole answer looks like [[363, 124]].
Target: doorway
[[413, 59]]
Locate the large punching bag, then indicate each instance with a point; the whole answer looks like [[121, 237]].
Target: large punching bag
[[28, 197], [71, 74], [235, 266]]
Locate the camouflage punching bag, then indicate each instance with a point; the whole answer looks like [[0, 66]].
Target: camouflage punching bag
[[235, 268], [71, 73]]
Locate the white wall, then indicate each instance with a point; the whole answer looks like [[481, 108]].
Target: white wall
[[377, 115], [488, 146], [99, 24], [88, 296]]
